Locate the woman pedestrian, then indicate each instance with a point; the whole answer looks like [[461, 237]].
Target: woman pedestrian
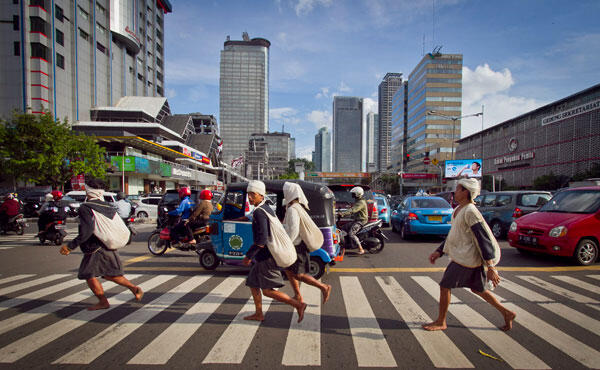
[[296, 207], [97, 260]]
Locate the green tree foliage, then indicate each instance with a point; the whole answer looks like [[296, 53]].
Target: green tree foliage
[[291, 171], [39, 149], [592, 173], [550, 182]]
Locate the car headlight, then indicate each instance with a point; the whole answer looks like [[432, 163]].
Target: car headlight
[[558, 231], [513, 227]]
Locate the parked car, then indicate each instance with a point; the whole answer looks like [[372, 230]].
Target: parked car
[[500, 209], [422, 215], [344, 201], [79, 197], [568, 225], [449, 196], [383, 209], [147, 207]]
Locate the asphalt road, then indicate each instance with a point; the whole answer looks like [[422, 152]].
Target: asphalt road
[[190, 317]]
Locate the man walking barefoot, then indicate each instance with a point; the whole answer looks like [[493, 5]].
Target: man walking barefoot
[[469, 244]]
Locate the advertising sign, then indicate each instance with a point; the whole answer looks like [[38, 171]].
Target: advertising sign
[[117, 161], [463, 167], [419, 175]]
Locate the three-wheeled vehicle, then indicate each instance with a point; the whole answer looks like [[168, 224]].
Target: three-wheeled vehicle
[[231, 231]]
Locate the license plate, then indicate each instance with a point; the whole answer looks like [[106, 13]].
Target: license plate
[[527, 240], [435, 218]]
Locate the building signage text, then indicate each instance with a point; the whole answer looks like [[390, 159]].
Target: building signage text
[[419, 175], [514, 157], [183, 173], [584, 108]]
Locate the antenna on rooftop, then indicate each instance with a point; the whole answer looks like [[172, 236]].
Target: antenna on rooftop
[[245, 36]]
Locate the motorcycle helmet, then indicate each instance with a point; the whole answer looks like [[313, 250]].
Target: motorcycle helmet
[[184, 192], [57, 195], [206, 195], [121, 195], [357, 192], [48, 197]]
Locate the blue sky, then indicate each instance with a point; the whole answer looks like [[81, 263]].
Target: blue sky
[[518, 54]]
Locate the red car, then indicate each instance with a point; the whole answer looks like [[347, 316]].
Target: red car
[[568, 225]]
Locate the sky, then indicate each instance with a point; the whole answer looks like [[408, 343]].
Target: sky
[[518, 55]]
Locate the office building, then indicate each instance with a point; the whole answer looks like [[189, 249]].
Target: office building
[[434, 98], [278, 146], [256, 161], [372, 141], [347, 134], [387, 88], [399, 112], [69, 57], [322, 153], [243, 93]]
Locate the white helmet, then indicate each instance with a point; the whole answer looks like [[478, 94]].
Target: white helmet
[[358, 191]]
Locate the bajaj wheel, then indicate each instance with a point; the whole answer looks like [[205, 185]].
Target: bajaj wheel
[[42, 240], [586, 252], [156, 245], [316, 267], [208, 260]]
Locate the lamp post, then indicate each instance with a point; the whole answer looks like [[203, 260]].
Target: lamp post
[[456, 118]]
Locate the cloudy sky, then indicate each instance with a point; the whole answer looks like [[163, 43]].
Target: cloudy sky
[[518, 55]]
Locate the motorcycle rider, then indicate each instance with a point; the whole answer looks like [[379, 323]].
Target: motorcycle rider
[[9, 209], [48, 210], [123, 206], [360, 215], [45, 217], [201, 213], [184, 210]]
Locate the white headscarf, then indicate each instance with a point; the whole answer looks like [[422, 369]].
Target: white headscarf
[[292, 191], [94, 194], [256, 186], [472, 185]]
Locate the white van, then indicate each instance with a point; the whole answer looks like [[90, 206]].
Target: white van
[[79, 196]]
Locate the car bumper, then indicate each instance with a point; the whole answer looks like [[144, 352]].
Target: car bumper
[[385, 218], [544, 244], [428, 229]]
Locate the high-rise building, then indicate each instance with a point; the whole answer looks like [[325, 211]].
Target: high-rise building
[[278, 151], [68, 57], [372, 141], [347, 134], [243, 93], [387, 88], [399, 101], [434, 95], [322, 157]]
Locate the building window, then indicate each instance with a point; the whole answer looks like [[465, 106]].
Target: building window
[[58, 12], [39, 51], [85, 15], [15, 22], [159, 90], [101, 47], [60, 61], [140, 77], [159, 48], [17, 48], [15, 1], [100, 29], [159, 62], [38, 25], [60, 38], [40, 3], [84, 35], [101, 9]]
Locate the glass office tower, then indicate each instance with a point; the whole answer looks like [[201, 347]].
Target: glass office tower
[[347, 134]]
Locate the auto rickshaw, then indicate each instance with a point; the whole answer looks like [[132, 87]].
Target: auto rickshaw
[[231, 230]]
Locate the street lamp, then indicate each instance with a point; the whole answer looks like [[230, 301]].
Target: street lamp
[[456, 118]]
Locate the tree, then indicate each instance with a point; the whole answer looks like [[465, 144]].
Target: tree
[[39, 149], [550, 182], [291, 171]]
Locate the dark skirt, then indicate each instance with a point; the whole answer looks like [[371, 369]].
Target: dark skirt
[[457, 276], [265, 275], [102, 262], [302, 264]]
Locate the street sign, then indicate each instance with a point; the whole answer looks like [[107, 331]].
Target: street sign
[[435, 161]]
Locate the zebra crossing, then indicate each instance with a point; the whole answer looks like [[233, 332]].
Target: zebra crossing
[[43, 320], [11, 240]]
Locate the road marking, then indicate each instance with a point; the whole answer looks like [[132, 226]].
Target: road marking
[[558, 290], [235, 341], [436, 344], [303, 344], [440, 269], [142, 258], [163, 347], [578, 283], [26, 345], [29, 284], [4, 305], [507, 348], [15, 278], [370, 345], [111, 336], [597, 277], [4, 248]]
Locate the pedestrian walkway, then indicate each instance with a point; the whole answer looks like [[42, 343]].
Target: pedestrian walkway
[[370, 321]]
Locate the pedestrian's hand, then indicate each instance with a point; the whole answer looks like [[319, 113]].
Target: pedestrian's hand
[[492, 275], [434, 256], [65, 250], [246, 261]]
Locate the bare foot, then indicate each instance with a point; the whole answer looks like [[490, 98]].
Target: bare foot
[[435, 326], [255, 317], [362, 251], [509, 317], [138, 293], [102, 305], [301, 310], [326, 293]]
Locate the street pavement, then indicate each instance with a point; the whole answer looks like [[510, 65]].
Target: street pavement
[[191, 318]]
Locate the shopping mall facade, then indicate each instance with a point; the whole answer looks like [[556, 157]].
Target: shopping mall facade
[[562, 138]]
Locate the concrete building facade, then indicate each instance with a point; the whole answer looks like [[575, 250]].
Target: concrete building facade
[[387, 88], [278, 150], [372, 141], [348, 138], [322, 153], [399, 112]]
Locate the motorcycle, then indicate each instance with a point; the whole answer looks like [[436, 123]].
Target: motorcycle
[[370, 236], [129, 221], [16, 223], [160, 240], [54, 233]]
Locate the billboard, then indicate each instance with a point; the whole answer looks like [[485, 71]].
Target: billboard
[[463, 167]]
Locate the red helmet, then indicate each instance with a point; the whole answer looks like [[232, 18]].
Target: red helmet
[[57, 194], [206, 194], [184, 192]]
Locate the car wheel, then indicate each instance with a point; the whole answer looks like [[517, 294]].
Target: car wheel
[[156, 245], [403, 233], [586, 252], [209, 260], [497, 229], [142, 214], [316, 267]]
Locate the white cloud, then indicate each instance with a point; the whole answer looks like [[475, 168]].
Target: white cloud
[[343, 88], [320, 118], [483, 80], [305, 152], [306, 6], [294, 69], [281, 113], [323, 93], [170, 93]]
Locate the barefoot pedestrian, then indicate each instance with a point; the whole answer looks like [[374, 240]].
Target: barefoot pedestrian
[[264, 274], [97, 260], [470, 244]]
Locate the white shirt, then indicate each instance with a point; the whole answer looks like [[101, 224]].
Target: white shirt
[[291, 224], [123, 208], [461, 245]]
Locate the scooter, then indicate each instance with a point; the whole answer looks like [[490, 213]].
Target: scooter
[[54, 232], [160, 240], [16, 223], [370, 236], [129, 221]]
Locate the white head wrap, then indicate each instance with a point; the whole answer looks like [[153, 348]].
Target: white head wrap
[[49, 197], [292, 191], [256, 186], [94, 194], [472, 185]]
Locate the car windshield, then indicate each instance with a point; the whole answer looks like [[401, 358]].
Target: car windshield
[[380, 202], [430, 203], [575, 201]]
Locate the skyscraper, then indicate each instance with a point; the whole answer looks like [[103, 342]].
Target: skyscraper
[[399, 128], [68, 57], [243, 93], [347, 134], [434, 95], [322, 157], [387, 88], [372, 141]]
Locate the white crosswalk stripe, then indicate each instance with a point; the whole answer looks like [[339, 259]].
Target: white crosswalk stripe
[[303, 344], [578, 283], [4, 305], [15, 278], [29, 284]]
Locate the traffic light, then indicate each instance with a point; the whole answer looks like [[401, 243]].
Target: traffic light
[[407, 157]]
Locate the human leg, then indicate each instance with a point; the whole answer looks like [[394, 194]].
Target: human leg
[[98, 291], [325, 288], [440, 323], [122, 280], [258, 314], [284, 298], [509, 316], [352, 232], [293, 279]]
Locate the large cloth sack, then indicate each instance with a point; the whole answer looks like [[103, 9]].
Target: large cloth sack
[[279, 243], [309, 231], [114, 234]]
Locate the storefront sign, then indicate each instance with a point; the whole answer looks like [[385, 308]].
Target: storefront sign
[[117, 161], [182, 173], [337, 174], [514, 157], [419, 175], [165, 170], [584, 108]]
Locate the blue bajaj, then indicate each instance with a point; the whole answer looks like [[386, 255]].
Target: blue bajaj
[[231, 229]]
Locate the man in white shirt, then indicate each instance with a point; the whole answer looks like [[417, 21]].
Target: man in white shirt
[[123, 206]]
